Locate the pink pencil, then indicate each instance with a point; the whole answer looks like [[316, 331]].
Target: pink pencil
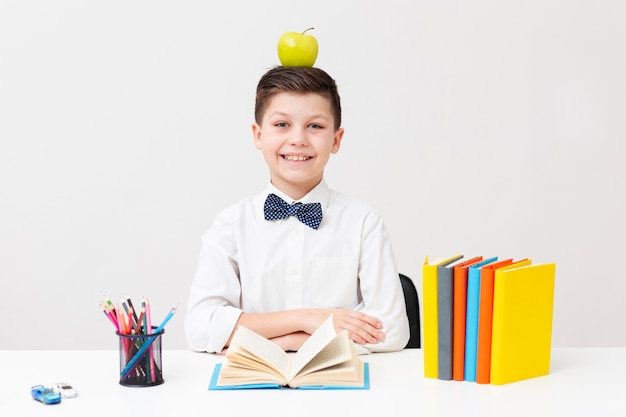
[[149, 331], [109, 316]]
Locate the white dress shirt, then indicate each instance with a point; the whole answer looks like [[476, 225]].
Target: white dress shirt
[[249, 264]]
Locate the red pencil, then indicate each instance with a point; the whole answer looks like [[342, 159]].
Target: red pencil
[[140, 321]]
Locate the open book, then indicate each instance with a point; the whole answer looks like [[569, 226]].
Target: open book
[[327, 360]]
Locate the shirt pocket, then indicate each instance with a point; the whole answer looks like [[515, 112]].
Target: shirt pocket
[[334, 282]]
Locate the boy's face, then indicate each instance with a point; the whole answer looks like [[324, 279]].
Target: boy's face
[[297, 136]]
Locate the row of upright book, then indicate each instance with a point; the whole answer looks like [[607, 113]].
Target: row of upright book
[[487, 320]]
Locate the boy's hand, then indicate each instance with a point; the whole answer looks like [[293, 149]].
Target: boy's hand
[[361, 327]]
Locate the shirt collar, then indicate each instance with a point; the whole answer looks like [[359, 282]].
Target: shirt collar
[[319, 194]]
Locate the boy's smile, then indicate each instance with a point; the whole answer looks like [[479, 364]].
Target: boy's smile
[[297, 136], [296, 157]]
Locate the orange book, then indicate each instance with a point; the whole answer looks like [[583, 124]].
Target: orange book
[[485, 318], [458, 318]]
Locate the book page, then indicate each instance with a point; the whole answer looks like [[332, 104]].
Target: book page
[[235, 375], [349, 372], [256, 348], [314, 344], [245, 359], [336, 352]]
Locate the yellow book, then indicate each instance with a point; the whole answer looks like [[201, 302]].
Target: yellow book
[[523, 304], [430, 313]]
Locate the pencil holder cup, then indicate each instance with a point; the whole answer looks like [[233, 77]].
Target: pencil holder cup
[[140, 359]]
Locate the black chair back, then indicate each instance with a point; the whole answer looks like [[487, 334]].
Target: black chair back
[[412, 311]]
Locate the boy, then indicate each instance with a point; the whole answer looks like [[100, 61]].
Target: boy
[[281, 262]]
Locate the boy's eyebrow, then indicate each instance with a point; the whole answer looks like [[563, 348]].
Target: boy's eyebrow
[[315, 116]]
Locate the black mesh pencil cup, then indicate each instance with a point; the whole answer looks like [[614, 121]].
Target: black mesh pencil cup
[[140, 359]]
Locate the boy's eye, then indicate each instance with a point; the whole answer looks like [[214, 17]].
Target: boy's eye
[[316, 126], [280, 124]]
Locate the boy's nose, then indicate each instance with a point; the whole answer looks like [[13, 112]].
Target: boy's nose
[[298, 137]]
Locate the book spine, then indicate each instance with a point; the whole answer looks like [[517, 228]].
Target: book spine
[[444, 322], [485, 314], [458, 323], [471, 323], [430, 345]]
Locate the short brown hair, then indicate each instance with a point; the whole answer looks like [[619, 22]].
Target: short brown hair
[[300, 80]]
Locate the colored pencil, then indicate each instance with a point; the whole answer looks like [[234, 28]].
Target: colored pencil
[[140, 321], [109, 316], [150, 357], [129, 366], [130, 304]]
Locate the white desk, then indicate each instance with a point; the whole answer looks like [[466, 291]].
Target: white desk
[[582, 382]]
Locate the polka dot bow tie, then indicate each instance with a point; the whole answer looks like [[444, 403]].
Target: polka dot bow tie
[[276, 208]]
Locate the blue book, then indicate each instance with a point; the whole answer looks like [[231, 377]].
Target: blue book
[[216, 373], [471, 318]]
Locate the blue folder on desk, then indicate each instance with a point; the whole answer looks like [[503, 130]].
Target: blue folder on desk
[[216, 373]]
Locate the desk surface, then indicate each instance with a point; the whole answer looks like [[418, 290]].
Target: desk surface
[[582, 382]]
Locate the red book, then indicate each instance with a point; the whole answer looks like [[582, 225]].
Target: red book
[[458, 318]]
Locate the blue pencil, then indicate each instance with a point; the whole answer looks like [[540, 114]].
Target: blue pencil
[[148, 343]]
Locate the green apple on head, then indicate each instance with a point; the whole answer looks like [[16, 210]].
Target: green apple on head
[[297, 49]]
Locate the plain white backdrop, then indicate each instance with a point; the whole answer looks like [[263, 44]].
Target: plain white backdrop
[[483, 128]]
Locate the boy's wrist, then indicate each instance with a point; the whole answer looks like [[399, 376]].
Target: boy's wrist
[[312, 318]]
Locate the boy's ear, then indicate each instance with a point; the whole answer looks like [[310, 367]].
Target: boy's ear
[[337, 140], [256, 134]]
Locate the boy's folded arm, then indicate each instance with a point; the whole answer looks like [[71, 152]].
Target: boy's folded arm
[[213, 307], [381, 290], [292, 341], [208, 327], [361, 328], [395, 327], [391, 312], [272, 324], [396, 339]]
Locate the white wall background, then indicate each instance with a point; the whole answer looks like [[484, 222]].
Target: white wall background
[[484, 128]]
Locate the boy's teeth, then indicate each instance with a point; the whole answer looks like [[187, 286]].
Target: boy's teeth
[[296, 158]]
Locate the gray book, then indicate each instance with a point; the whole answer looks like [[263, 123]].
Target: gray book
[[445, 313]]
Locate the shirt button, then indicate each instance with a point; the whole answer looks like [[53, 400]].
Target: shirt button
[[293, 270]]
